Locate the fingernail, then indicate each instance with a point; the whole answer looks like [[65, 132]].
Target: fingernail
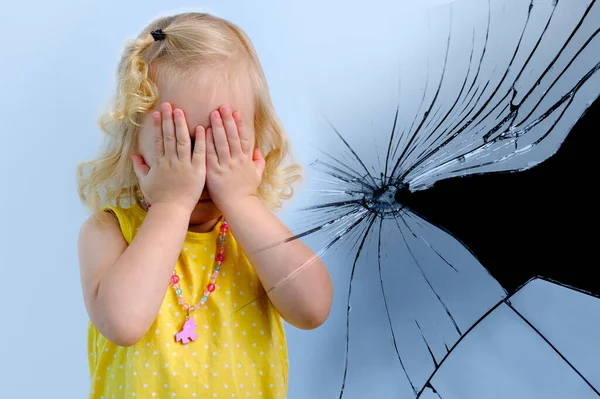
[[178, 112], [216, 115]]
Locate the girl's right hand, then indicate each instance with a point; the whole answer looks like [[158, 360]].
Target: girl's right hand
[[178, 174]]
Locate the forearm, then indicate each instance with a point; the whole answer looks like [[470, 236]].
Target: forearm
[[305, 300], [131, 292]]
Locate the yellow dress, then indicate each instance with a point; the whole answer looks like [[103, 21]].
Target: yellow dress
[[238, 353]]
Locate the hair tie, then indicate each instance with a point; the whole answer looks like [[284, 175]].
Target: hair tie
[[158, 34]]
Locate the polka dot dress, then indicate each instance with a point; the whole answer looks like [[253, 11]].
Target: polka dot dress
[[238, 353]]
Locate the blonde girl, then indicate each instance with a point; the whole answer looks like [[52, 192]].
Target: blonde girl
[[182, 201]]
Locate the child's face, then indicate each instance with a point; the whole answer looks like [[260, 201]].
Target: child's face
[[198, 98]]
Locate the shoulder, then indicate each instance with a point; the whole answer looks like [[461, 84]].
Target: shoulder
[[99, 228], [100, 232], [113, 221], [99, 244]]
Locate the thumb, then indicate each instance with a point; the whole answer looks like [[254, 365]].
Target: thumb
[[139, 166], [259, 161]]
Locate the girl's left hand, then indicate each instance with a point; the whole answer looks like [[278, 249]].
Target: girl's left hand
[[234, 167]]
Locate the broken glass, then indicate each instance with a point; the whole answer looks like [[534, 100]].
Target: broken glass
[[497, 87]]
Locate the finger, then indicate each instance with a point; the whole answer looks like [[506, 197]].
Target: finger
[[159, 145], [259, 161], [220, 138], [168, 128], [246, 142], [231, 130], [139, 166], [212, 158], [182, 134], [199, 154]]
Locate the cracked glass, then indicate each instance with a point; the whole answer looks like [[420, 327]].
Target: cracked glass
[[493, 86]]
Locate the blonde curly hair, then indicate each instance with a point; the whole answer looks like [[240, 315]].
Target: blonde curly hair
[[192, 40]]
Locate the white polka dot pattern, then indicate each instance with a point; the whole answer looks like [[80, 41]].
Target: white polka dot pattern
[[238, 353]]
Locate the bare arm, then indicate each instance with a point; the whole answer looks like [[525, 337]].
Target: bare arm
[[124, 286], [305, 300], [234, 173]]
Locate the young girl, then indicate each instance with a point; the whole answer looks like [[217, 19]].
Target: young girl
[[180, 251]]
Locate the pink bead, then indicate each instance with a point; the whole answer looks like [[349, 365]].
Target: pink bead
[[206, 293], [174, 279], [225, 225], [214, 275], [210, 288], [191, 308], [213, 280], [185, 306], [175, 285], [220, 258]]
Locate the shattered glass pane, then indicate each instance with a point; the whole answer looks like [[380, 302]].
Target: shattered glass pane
[[504, 357], [486, 86], [559, 313], [505, 111], [426, 281]]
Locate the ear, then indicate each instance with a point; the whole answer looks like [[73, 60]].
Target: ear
[[259, 161]]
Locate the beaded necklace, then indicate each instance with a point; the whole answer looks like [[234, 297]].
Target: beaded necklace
[[188, 333]]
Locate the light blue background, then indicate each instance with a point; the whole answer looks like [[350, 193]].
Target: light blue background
[[57, 71]]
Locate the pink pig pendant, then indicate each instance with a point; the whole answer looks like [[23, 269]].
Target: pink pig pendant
[[188, 332]]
